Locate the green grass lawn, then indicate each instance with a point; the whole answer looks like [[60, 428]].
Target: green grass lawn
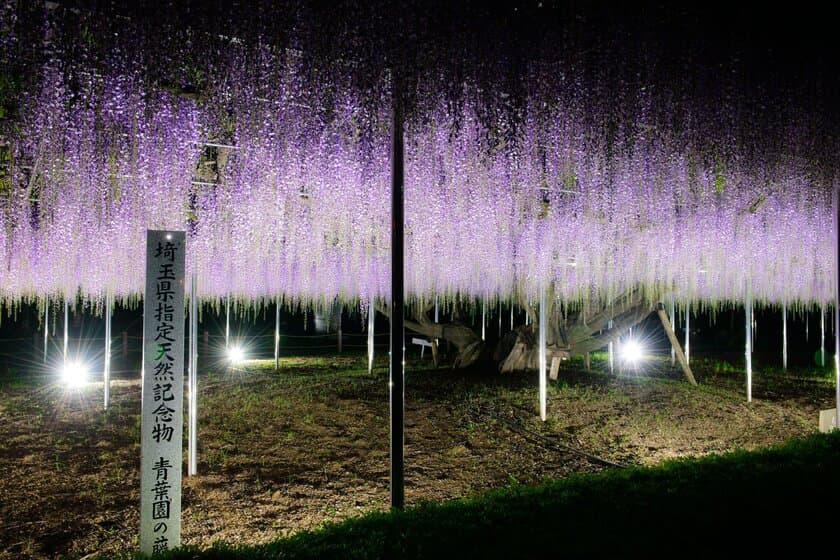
[[780, 500]]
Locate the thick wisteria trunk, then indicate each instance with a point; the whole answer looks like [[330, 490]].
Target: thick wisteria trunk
[[577, 335], [468, 342], [518, 351]]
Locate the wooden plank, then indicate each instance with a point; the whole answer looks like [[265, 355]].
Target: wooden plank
[[555, 368], [669, 330]]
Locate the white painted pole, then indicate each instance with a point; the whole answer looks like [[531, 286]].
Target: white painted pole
[[436, 309], [46, 327], [806, 326], [822, 336], [193, 381], [106, 374], [277, 336], [748, 344], [500, 319], [483, 318], [511, 316], [672, 317], [611, 351], [227, 322], [687, 331], [543, 387], [784, 336], [371, 325], [66, 331]]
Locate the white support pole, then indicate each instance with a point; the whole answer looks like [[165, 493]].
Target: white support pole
[[371, 325], [500, 319], [436, 309], [672, 316], [543, 388], [106, 373], [192, 465], [511, 316], [483, 319], [611, 351], [748, 344], [822, 336], [806, 326], [784, 336], [277, 336], [66, 331], [46, 327], [227, 322], [687, 331]]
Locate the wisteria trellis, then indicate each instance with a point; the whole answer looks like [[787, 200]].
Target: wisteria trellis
[[569, 194]]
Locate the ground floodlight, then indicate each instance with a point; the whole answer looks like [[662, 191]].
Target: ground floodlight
[[74, 373], [235, 354], [631, 351]]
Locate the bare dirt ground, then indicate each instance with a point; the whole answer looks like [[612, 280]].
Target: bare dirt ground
[[281, 452]]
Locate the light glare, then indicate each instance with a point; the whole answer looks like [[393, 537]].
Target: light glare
[[74, 374], [235, 354], [631, 351]]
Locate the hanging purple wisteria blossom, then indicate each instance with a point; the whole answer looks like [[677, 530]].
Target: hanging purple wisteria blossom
[[279, 171]]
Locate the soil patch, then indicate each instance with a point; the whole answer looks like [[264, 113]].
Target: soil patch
[[290, 450]]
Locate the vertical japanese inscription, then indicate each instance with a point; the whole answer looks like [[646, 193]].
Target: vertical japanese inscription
[[163, 392]]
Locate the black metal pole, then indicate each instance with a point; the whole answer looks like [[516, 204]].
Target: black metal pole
[[836, 309], [397, 381]]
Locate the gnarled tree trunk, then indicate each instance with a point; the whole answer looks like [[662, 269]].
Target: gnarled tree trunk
[[469, 345], [519, 350], [586, 331]]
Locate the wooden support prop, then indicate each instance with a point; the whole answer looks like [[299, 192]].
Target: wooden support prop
[[435, 351], [555, 368], [669, 330], [587, 365]]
